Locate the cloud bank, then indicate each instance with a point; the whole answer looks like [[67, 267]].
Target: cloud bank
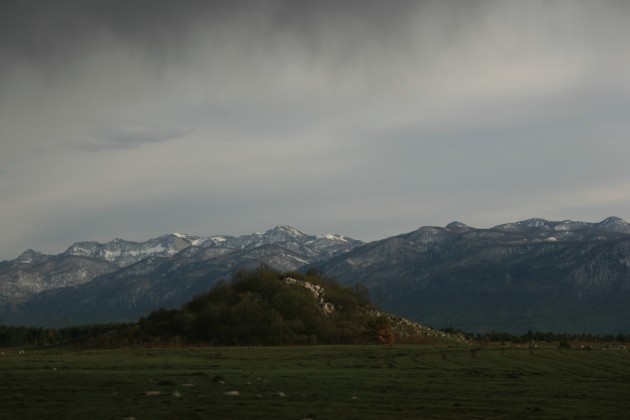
[[367, 118]]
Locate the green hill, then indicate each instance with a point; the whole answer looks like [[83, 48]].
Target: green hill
[[266, 307]]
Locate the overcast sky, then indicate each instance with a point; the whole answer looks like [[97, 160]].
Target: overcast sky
[[367, 118]]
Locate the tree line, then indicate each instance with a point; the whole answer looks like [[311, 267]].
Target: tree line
[[540, 336], [21, 336]]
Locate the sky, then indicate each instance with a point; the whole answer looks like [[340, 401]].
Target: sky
[[136, 118]]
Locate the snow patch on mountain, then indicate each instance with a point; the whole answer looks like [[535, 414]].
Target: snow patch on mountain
[[565, 228], [615, 224], [333, 237], [124, 253], [457, 225], [31, 257], [535, 223]]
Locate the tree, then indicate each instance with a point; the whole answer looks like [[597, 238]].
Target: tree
[[379, 330]]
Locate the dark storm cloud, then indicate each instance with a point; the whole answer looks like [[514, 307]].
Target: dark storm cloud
[[52, 32], [44, 32]]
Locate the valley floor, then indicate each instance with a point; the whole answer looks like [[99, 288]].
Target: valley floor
[[318, 382]]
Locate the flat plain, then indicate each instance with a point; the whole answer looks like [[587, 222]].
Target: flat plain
[[315, 382]]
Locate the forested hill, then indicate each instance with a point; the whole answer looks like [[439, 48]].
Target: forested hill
[[266, 307]]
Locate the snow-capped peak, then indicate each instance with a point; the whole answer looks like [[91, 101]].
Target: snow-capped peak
[[30, 256], [194, 240], [333, 237], [535, 222], [282, 234], [285, 229], [570, 225], [613, 223], [124, 253], [217, 239], [457, 225], [612, 220]]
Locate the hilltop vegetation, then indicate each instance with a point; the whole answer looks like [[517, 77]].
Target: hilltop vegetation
[[266, 307]]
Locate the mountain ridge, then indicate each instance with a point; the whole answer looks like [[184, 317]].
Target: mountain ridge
[[114, 274], [537, 275], [532, 273]]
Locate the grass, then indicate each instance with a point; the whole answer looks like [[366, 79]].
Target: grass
[[320, 382]]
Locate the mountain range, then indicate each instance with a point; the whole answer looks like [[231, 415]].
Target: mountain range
[[563, 276], [122, 280], [531, 275]]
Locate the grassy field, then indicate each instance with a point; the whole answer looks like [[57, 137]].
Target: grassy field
[[322, 382]]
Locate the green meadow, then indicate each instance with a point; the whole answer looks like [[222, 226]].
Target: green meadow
[[315, 382]]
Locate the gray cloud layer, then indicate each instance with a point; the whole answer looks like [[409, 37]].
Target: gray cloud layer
[[369, 118]]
